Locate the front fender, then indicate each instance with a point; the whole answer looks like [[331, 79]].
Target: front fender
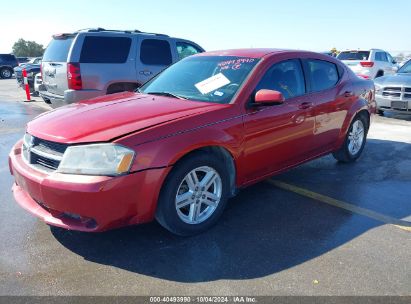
[[167, 151]]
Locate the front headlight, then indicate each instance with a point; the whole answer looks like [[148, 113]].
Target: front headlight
[[97, 159]]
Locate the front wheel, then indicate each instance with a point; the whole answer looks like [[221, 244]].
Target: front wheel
[[354, 142], [194, 195]]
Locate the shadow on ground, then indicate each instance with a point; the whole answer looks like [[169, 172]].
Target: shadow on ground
[[263, 231]]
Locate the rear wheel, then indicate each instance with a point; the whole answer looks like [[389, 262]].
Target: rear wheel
[[46, 100], [380, 112], [354, 142], [6, 73], [194, 195]]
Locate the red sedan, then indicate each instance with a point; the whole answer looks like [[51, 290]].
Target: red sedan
[[182, 145]]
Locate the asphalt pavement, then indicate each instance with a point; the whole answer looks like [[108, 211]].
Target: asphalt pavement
[[271, 240]]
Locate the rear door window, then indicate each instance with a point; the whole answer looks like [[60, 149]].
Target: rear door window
[[58, 49], [321, 74], [286, 77], [185, 49], [155, 52], [105, 49]]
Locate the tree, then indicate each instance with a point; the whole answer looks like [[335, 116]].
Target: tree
[[334, 51], [25, 48]]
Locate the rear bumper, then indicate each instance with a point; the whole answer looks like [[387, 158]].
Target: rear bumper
[[85, 203], [70, 96]]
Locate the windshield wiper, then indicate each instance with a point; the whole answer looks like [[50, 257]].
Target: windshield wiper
[[167, 94]]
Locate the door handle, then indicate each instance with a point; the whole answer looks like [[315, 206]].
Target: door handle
[[305, 105], [348, 94]]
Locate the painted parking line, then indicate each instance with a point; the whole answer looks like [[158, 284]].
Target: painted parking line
[[404, 225]]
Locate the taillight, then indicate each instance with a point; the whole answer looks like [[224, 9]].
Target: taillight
[[363, 76], [367, 64], [74, 76]]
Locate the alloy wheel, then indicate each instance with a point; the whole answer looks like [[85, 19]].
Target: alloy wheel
[[356, 137], [5, 73], [198, 195]]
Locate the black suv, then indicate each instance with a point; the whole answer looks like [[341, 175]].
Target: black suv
[[7, 63]]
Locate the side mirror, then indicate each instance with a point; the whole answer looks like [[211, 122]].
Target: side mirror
[[266, 97]]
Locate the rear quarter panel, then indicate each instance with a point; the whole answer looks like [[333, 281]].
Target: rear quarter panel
[[363, 100]]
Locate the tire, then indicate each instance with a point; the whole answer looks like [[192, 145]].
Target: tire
[[184, 187], [380, 112], [379, 74], [354, 141], [46, 100], [6, 73]]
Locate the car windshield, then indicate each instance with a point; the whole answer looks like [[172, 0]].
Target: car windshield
[[354, 55], [406, 68], [202, 78]]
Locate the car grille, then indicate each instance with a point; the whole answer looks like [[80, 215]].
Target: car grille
[[43, 154], [400, 93]]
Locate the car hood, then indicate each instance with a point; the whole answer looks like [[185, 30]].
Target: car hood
[[112, 116], [400, 79]]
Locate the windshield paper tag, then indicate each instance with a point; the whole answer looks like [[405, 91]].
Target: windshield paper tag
[[213, 83]]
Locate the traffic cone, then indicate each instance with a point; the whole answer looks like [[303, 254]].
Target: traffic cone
[[26, 84]]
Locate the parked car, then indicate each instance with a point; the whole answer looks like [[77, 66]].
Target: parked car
[[22, 60], [369, 64], [7, 63], [34, 60], [177, 150], [329, 53], [95, 62], [393, 93], [32, 70]]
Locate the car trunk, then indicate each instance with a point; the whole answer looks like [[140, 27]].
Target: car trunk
[[351, 63], [54, 64]]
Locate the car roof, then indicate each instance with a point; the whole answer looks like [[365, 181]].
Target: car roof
[[251, 52], [369, 50], [106, 31]]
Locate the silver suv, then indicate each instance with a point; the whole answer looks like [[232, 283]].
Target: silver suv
[[94, 62]]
